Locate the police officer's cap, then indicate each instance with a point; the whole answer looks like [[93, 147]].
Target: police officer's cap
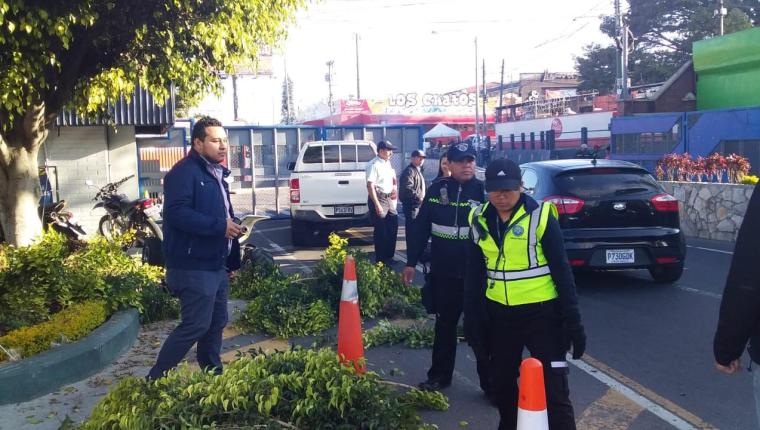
[[503, 174], [460, 151]]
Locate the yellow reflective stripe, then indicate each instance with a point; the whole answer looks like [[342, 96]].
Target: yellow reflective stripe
[[499, 275], [535, 217]]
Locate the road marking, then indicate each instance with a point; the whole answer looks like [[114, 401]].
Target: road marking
[[612, 411], [668, 411], [700, 292], [283, 253], [710, 249]]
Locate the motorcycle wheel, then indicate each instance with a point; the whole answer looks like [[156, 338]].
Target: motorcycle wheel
[[154, 230], [256, 256], [109, 227]]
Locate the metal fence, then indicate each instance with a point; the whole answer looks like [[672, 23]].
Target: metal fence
[[258, 158]]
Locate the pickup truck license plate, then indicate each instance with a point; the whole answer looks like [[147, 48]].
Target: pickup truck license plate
[[344, 210], [620, 256]]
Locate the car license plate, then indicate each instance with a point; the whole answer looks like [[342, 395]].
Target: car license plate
[[620, 256], [152, 211], [344, 210]]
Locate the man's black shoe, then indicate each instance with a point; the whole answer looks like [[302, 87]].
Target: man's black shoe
[[433, 385]]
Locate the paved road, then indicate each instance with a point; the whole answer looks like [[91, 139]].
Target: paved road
[[649, 363]]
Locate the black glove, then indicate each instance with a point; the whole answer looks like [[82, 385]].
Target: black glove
[[575, 336]]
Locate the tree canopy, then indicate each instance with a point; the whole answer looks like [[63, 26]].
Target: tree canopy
[[57, 54], [665, 31]]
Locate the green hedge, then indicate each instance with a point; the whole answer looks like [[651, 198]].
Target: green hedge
[[40, 280], [288, 305], [305, 389], [72, 323]]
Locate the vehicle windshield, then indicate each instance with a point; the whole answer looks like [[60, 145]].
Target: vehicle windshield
[[604, 182]]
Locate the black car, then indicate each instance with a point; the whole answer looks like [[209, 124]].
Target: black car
[[614, 215]]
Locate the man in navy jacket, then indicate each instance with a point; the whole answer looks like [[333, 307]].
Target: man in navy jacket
[[200, 247]]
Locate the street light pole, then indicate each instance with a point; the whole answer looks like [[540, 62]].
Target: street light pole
[[477, 115], [328, 78], [358, 92]]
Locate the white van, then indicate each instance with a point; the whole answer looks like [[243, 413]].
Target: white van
[[328, 188]]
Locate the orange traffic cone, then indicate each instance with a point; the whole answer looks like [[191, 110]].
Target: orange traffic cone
[[350, 348], [531, 407]]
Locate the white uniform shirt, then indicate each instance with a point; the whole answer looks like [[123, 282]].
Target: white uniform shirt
[[381, 174]]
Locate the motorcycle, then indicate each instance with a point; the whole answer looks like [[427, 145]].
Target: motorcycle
[[124, 215], [250, 253], [54, 215]]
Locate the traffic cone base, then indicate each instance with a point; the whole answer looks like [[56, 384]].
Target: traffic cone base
[[350, 347]]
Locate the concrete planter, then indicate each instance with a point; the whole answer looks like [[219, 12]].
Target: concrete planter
[[710, 210], [44, 373]]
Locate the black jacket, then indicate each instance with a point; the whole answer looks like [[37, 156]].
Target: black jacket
[[447, 256], [194, 219], [554, 250], [411, 188], [739, 319]]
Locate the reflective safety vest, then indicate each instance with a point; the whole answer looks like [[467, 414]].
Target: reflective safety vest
[[517, 271]]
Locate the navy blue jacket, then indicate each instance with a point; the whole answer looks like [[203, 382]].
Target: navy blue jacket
[[194, 220]]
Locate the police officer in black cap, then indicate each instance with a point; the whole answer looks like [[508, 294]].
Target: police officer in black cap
[[443, 216], [520, 292]]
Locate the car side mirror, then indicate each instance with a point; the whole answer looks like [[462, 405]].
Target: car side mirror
[[291, 165]]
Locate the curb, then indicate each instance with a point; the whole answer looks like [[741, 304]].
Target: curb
[[46, 372]]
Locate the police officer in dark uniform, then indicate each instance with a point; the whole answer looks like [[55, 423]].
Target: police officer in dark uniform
[[443, 216], [520, 292]]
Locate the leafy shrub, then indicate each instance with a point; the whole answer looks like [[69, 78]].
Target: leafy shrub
[[70, 324], [287, 306], [749, 180], [39, 280], [307, 389], [416, 335]]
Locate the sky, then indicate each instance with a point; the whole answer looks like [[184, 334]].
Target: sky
[[428, 46]]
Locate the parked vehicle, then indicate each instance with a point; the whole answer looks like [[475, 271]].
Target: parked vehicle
[[328, 188], [613, 214], [55, 215], [123, 215]]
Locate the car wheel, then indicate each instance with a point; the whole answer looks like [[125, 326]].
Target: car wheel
[[301, 232], [667, 273]]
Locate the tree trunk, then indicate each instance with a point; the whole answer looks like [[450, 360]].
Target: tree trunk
[[19, 180]]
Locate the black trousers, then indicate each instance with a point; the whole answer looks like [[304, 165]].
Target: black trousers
[[539, 328], [385, 230], [448, 296], [409, 216]]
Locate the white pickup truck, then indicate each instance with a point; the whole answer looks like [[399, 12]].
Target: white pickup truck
[[328, 188]]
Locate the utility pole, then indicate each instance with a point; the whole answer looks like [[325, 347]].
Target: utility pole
[[358, 92], [477, 116], [234, 97], [721, 12], [501, 93], [624, 65], [485, 96], [328, 78], [619, 62]]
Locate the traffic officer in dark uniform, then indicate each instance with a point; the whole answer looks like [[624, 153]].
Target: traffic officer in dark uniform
[[443, 216], [520, 292]]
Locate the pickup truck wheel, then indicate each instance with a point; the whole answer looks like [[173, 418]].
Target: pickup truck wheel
[[300, 232]]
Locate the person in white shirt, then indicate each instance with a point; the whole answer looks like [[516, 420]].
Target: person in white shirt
[[381, 188]]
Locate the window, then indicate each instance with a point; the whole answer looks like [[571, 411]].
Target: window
[[364, 153], [647, 143], [530, 179], [313, 155], [600, 182], [348, 153], [331, 153]]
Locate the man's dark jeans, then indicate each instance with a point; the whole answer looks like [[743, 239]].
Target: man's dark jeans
[[385, 232], [203, 298]]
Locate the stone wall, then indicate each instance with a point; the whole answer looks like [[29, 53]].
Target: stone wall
[[710, 211]]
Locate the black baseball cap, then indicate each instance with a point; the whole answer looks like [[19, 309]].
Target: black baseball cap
[[503, 174], [460, 151], [418, 153], [385, 144]]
